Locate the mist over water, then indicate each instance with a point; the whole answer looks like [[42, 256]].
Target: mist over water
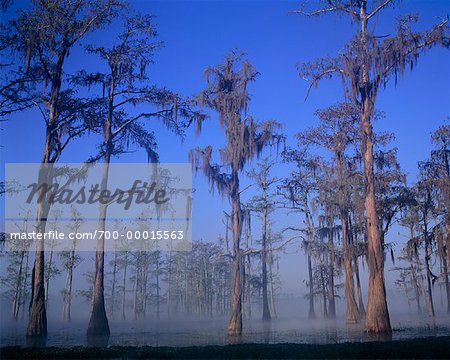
[[291, 326]]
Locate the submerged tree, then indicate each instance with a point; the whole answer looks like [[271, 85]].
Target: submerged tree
[[51, 269], [297, 191], [430, 212], [368, 62], [70, 260], [16, 279], [436, 171], [425, 208], [43, 36], [264, 205], [123, 85], [411, 280], [227, 94], [336, 132]]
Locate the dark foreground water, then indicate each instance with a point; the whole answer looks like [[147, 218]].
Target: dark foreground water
[[213, 332]]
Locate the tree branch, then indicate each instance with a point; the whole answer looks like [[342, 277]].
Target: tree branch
[[318, 77], [129, 121], [380, 7]]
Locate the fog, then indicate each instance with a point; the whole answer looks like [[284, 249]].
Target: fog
[[180, 329], [186, 331]]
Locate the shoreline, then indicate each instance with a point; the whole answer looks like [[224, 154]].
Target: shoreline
[[419, 348]]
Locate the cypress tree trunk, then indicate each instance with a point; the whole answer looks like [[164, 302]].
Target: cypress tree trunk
[[427, 266], [353, 236], [361, 309], [135, 290], [98, 323], [272, 307], [169, 284], [113, 285], [447, 226], [311, 236], [446, 262], [266, 311], [37, 316], [324, 293], [25, 284], [235, 322], [311, 313], [331, 297], [157, 289], [247, 286], [47, 276], [124, 286], [68, 289], [377, 315], [18, 288], [37, 320], [352, 309], [352, 314]]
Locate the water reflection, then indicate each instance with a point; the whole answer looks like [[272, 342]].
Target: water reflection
[[354, 332], [267, 331], [97, 341], [234, 340], [36, 341], [213, 332], [377, 337]]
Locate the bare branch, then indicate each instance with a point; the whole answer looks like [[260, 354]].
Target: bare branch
[[133, 119], [318, 77], [314, 13], [380, 7], [333, 6]]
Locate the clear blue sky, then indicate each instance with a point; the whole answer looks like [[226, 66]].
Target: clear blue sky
[[199, 33]]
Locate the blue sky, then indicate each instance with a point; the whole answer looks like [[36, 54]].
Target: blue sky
[[198, 34]]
